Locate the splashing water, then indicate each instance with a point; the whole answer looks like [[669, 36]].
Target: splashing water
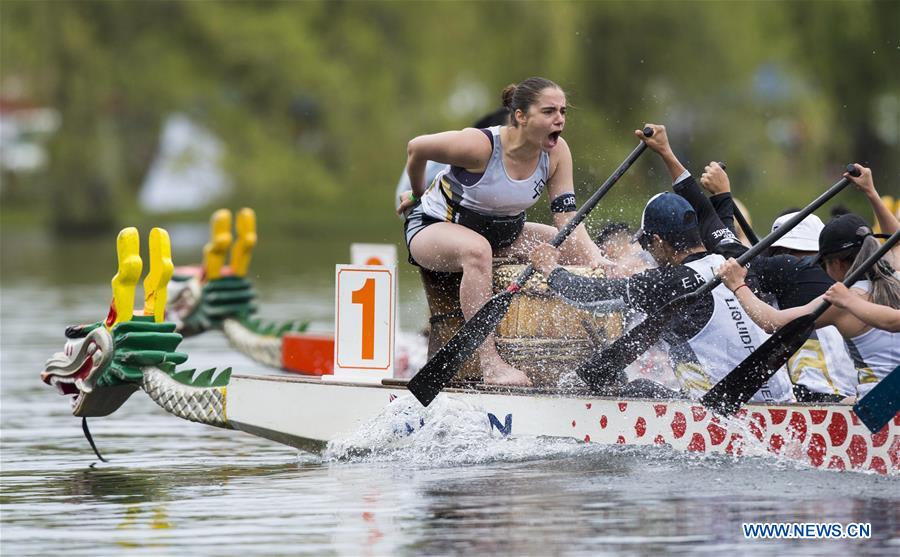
[[412, 354], [447, 432]]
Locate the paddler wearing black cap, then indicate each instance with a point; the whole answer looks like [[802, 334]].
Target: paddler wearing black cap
[[844, 243], [821, 370], [714, 335]]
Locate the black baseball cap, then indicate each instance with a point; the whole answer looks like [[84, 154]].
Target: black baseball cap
[[844, 232]]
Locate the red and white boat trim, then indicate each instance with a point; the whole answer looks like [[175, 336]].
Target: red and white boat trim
[[304, 411]]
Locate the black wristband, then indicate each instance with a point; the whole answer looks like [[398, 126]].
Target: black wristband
[[565, 203]]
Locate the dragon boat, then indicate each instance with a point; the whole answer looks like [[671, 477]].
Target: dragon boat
[[105, 362]]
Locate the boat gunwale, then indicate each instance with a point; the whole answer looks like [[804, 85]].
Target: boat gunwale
[[520, 391]]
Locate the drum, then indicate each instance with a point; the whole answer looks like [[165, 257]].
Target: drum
[[541, 333]]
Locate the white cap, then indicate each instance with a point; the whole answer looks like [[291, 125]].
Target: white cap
[[803, 237]]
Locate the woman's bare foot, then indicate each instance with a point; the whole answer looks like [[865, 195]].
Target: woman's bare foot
[[498, 372]]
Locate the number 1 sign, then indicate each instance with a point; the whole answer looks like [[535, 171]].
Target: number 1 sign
[[364, 322]]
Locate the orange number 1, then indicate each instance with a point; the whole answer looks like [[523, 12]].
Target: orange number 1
[[366, 297]]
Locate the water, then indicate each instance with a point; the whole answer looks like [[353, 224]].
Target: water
[[177, 488]]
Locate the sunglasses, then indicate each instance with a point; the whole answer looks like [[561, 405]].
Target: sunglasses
[[645, 240]]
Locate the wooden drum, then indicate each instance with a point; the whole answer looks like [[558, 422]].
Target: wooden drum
[[541, 334]]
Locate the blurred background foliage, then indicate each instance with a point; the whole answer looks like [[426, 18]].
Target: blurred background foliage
[[314, 101]]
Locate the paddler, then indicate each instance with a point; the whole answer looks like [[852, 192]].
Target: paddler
[[715, 334], [821, 370], [844, 243], [475, 209]]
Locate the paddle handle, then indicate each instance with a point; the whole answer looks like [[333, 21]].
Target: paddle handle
[[858, 273], [776, 234], [586, 208], [745, 226]]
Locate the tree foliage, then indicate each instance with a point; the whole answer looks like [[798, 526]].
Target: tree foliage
[[315, 101]]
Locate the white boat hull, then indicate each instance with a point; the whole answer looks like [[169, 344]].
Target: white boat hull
[[307, 413]]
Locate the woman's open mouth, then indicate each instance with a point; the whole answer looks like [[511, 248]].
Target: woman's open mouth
[[553, 138]]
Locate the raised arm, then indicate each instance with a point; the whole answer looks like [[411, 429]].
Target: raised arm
[[713, 231], [876, 315], [659, 142], [864, 183], [886, 220], [716, 236], [715, 181]]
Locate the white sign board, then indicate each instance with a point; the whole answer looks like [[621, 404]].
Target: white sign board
[[364, 322], [373, 254]]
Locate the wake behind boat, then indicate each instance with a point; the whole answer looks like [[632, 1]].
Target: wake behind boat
[[104, 363]]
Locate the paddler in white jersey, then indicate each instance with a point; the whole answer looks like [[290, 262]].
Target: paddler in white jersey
[[821, 369], [844, 244], [714, 334], [475, 209]]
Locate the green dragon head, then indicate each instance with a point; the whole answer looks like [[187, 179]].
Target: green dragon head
[[199, 307], [102, 367], [103, 363]]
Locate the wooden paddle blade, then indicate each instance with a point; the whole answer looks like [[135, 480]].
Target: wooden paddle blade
[[741, 383], [880, 404], [441, 368]]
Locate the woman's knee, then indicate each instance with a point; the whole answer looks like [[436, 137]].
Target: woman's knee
[[476, 256]]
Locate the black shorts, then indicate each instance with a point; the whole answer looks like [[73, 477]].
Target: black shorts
[[416, 221], [500, 232]]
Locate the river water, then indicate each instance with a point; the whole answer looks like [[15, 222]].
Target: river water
[[176, 488]]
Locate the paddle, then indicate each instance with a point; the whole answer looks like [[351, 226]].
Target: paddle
[[605, 369], [745, 226], [741, 219], [880, 404], [441, 368], [742, 382]]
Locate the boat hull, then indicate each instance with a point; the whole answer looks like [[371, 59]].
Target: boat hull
[[307, 413]]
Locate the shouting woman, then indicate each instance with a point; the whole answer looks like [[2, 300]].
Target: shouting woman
[[475, 209]]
